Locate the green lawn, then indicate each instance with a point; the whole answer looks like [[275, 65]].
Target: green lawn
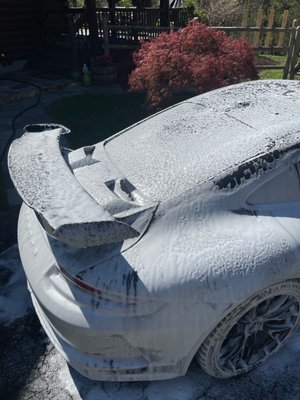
[[270, 59], [94, 117], [271, 74]]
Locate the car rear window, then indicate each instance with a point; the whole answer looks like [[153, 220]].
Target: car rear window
[[179, 148]]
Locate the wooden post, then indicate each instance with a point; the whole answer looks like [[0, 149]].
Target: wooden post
[[93, 26], [259, 21], [295, 55], [290, 52], [105, 36], [164, 13], [74, 52], [269, 35], [134, 33], [112, 15], [283, 25], [245, 22]]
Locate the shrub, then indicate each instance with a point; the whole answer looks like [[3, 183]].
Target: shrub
[[125, 3], [195, 57]]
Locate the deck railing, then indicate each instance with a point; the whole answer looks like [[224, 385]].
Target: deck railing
[[119, 27], [149, 17]]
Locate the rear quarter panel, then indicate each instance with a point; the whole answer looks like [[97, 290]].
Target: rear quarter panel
[[204, 256]]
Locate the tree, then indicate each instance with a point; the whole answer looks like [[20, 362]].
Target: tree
[[221, 12], [194, 57]]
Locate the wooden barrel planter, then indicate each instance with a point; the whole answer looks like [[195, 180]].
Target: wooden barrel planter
[[104, 74]]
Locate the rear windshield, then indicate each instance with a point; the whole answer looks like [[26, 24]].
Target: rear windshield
[[182, 147]]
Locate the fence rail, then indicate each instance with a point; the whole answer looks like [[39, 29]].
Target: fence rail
[[260, 43]]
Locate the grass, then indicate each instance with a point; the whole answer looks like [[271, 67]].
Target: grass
[[270, 59], [271, 73], [94, 117]]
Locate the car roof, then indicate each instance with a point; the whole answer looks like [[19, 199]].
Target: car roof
[[202, 137]]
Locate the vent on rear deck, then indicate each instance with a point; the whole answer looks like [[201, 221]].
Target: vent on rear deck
[[126, 191]]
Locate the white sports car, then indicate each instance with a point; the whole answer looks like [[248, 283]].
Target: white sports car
[[177, 238]]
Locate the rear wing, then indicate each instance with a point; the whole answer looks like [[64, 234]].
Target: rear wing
[[47, 185]]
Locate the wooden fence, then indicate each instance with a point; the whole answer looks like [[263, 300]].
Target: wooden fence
[[266, 36], [125, 28], [290, 69], [291, 49]]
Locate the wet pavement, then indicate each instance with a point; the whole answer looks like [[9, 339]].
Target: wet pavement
[[14, 86]]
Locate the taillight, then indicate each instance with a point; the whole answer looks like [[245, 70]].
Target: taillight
[[110, 301], [115, 299], [80, 283]]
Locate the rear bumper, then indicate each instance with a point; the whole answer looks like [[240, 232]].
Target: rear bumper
[[98, 343], [97, 367]]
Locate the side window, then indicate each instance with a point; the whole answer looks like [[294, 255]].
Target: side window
[[282, 188]]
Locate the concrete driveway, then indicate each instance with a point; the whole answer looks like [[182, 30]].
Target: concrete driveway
[[30, 368]]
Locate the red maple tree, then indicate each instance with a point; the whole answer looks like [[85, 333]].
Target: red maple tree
[[195, 57]]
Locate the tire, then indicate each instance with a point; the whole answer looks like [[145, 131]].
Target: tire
[[252, 332]]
